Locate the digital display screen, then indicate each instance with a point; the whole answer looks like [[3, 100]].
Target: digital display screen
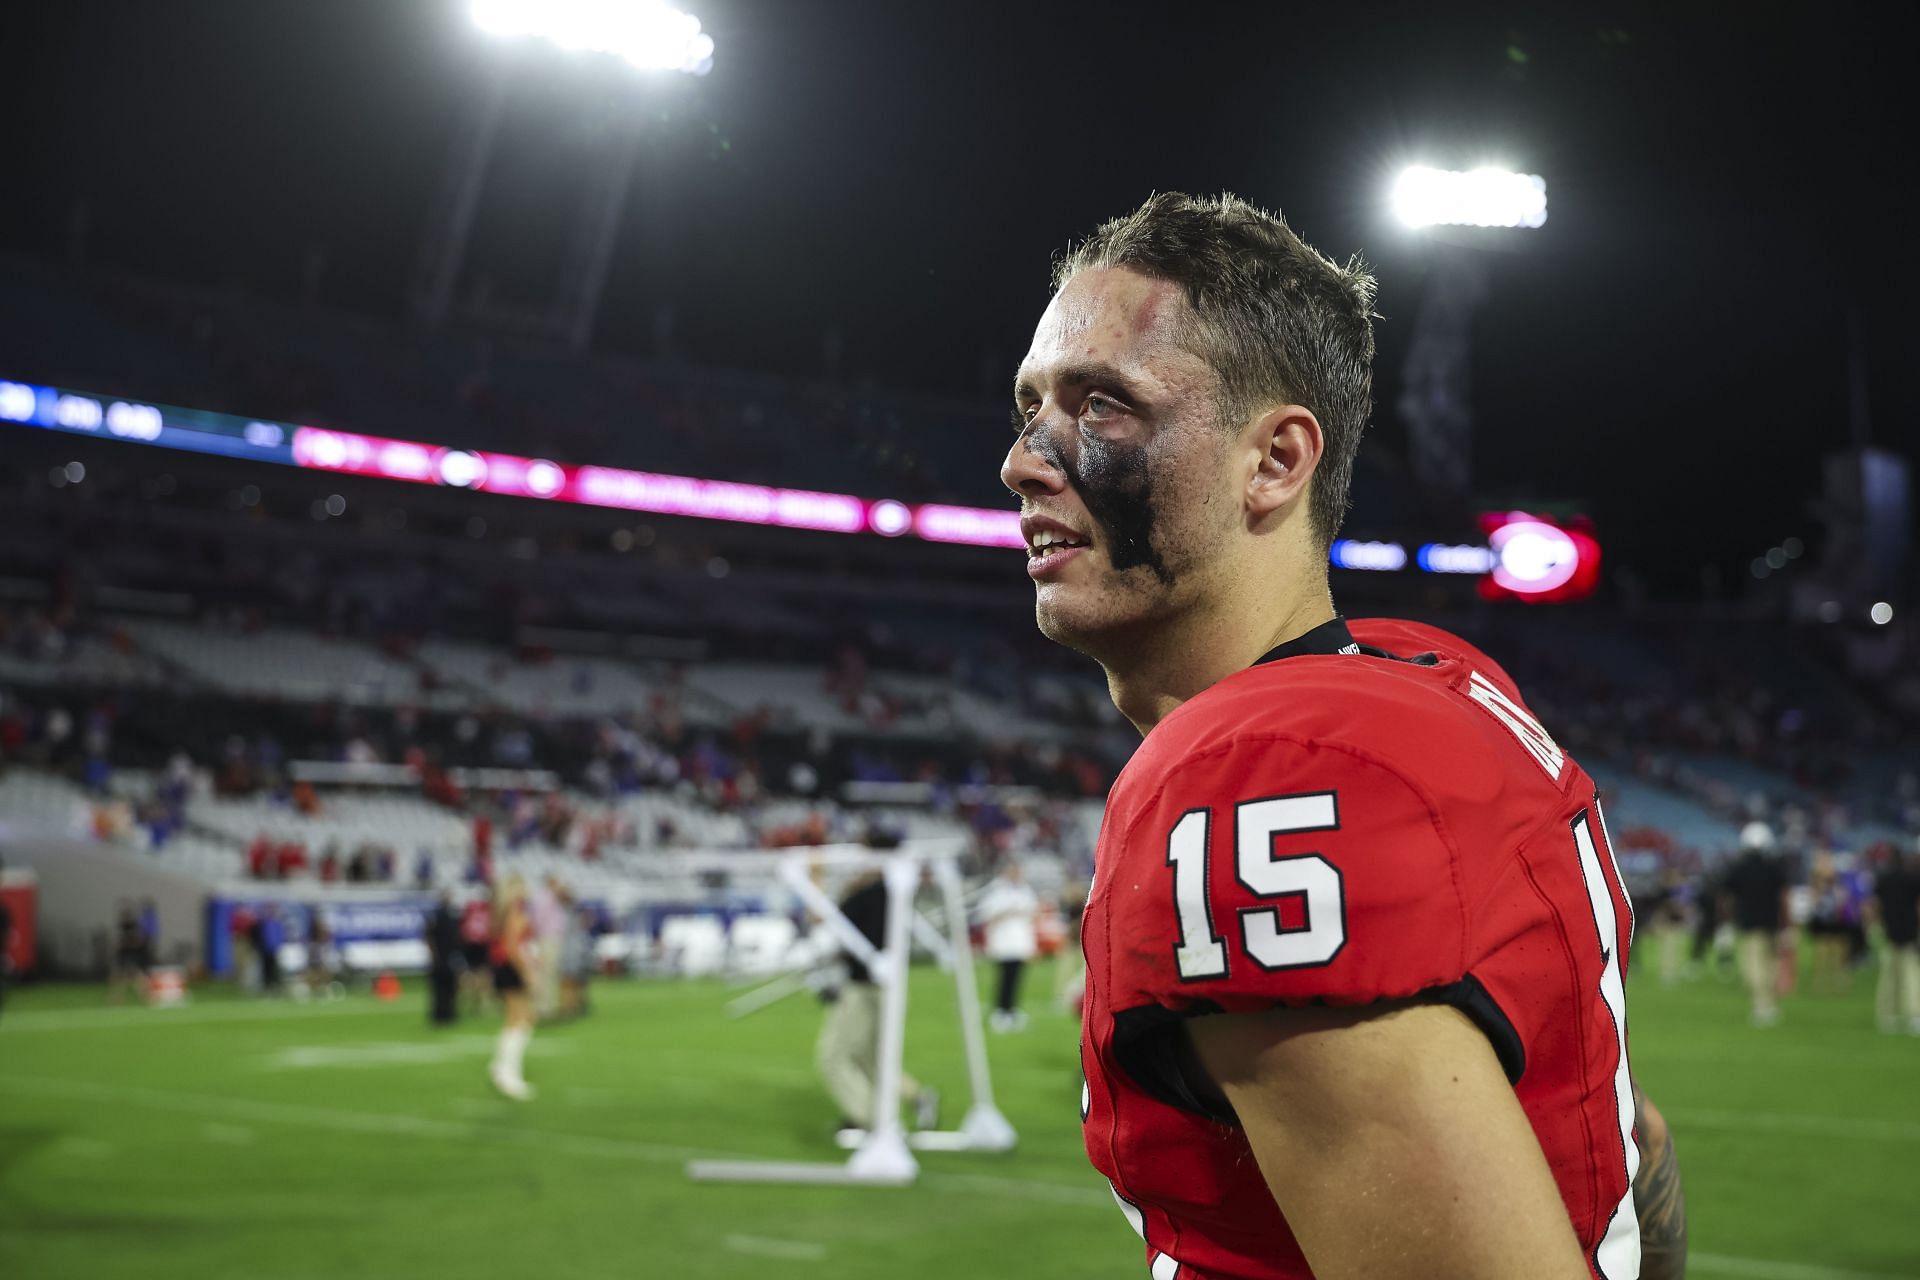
[[1524, 558]]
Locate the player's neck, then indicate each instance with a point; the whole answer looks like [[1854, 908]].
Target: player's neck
[[1196, 652]]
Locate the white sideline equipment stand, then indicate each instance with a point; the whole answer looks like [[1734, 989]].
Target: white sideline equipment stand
[[883, 1154]]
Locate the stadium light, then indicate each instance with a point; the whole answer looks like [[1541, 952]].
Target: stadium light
[[648, 35], [1881, 613], [1425, 197]]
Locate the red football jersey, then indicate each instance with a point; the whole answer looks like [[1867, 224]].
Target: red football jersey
[[1370, 813]]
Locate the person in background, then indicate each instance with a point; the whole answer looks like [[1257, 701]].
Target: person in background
[[512, 959], [1707, 919], [482, 865], [1896, 906], [848, 1051], [444, 951], [1008, 908], [323, 959], [1071, 982], [547, 911], [476, 935], [576, 959], [269, 931], [1668, 911], [1757, 882], [6, 952], [1799, 914], [246, 961], [1856, 877], [131, 957], [1827, 922]]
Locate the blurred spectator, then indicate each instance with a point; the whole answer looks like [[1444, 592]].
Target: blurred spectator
[[323, 958], [1896, 903], [1008, 909], [132, 957], [848, 1050], [246, 951], [476, 933], [306, 800], [290, 860], [444, 950], [6, 953], [1665, 911], [1827, 922], [576, 960], [1758, 883], [269, 934], [547, 911]]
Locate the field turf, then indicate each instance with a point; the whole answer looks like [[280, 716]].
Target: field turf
[[243, 1138]]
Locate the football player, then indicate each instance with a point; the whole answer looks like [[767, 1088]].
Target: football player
[[1356, 943]]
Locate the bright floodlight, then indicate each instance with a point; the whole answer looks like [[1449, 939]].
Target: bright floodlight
[[647, 34], [1426, 197]]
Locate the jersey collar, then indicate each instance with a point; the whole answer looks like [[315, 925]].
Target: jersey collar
[[1330, 637]]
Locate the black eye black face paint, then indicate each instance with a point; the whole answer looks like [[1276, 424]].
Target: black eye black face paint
[[1113, 479]]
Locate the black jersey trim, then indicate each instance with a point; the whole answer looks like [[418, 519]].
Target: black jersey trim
[[1474, 1000], [1334, 637], [1146, 1048]]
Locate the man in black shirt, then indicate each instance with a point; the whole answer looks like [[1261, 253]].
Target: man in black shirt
[[1896, 901], [443, 956], [848, 1050], [1758, 884]]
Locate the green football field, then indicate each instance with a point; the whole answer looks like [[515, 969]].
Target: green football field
[[238, 1138]]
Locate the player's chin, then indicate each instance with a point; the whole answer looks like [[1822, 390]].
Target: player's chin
[[1072, 614]]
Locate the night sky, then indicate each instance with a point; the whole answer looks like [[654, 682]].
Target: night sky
[[1670, 352]]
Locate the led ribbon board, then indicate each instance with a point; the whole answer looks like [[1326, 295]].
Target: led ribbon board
[[510, 475], [1529, 558]]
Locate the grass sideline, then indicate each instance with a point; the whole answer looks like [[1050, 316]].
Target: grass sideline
[[240, 1138]]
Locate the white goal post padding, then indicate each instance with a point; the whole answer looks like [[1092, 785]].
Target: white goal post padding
[[884, 1155]]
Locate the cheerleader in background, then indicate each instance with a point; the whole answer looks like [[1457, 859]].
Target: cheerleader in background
[[511, 954]]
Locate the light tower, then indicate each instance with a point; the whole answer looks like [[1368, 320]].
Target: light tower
[[1436, 382], [649, 37]]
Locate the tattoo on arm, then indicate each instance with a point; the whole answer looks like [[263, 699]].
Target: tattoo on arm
[[1657, 1196]]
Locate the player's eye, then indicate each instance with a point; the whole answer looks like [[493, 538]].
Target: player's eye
[[1101, 407], [1023, 416]]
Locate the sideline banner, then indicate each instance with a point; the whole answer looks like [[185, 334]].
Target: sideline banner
[[393, 928]]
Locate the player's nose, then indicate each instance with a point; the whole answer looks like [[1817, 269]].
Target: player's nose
[[1031, 472]]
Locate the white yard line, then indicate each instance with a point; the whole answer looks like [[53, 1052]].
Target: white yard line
[[122, 1019], [1027, 1189], [1781, 1122], [397, 1053], [1755, 1269], [785, 1250], [345, 1121], [383, 1122]]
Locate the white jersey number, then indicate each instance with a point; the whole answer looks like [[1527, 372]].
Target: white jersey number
[[1618, 1255], [1314, 882]]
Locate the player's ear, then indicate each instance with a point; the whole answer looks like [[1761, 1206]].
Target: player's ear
[[1286, 442]]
